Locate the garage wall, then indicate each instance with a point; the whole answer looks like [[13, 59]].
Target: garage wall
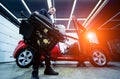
[[9, 37]]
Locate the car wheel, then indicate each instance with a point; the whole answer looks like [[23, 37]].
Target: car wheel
[[98, 58], [24, 58]]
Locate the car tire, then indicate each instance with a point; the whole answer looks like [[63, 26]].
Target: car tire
[[98, 58], [24, 58]]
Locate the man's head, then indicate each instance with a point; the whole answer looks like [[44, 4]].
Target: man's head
[[52, 10]]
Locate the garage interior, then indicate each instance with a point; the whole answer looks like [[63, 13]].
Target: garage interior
[[100, 16]]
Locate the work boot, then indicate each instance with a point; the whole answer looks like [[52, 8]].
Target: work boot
[[50, 71], [35, 74]]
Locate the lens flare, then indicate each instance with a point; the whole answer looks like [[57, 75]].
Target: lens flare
[[90, 35]]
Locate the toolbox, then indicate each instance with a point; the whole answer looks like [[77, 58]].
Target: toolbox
[[44, 29]]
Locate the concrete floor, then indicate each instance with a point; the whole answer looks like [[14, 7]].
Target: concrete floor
[[66, 71]]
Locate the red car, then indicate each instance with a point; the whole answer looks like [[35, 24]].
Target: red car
[[94, 53]]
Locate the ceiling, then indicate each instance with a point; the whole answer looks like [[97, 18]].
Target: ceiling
[[92, 14]]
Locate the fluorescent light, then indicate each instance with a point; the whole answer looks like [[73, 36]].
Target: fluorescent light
[[92, 12], [109, 20], [9, 12], [115, 26], [49, 2], [65, 19], [26, 6], [73, 8], [97, 11], [81, 18]]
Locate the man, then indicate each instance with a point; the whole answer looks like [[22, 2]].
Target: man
[[36, 61]]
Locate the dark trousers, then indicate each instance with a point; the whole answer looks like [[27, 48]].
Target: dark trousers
[[37, 60], [38, 53]]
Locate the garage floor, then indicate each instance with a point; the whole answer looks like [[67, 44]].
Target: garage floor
[[66, 71]]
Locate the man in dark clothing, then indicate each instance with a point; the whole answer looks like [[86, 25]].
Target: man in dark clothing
[[36, 60]]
